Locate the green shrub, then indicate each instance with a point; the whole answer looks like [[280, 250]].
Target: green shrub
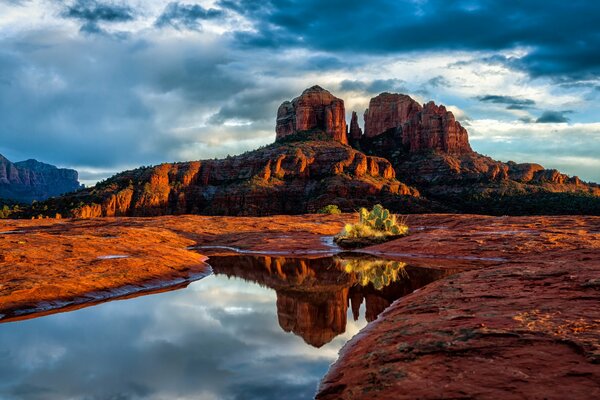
[[377, 224], [330, 209]]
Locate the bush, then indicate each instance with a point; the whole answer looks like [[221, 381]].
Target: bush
[[330, 209], [377, 225]]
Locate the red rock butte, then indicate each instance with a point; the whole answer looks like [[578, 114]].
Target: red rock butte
[[423, 127], [427, 127], [315, 109]]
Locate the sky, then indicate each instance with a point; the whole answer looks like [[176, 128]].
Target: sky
[[102, 86]]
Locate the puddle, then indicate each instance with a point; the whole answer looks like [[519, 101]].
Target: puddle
[[260, 327], [112, 257]]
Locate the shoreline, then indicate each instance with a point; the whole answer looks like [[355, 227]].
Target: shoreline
[[527, 292], [90, 299]]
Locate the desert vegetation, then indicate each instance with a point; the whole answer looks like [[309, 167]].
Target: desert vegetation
[[376, 226], [330, 209]]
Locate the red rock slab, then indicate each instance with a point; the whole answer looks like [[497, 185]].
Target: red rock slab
[[521, 330]]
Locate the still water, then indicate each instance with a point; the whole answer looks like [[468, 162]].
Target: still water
[[258, 328]]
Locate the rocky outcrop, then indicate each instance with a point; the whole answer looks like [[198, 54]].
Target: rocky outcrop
[[315, 110], [30, 180], [388, 111], [287, 178], [355, 131], [525, 326], [435, 128], [428, 127], [430, 150]]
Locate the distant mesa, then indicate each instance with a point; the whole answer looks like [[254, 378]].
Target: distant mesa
[[314, 109], [30, 180]]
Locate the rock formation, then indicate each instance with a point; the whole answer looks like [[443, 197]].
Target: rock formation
[[310, 165], [355, 131], [315, 110], [388, 111], [428, 127], [430, 150], [284, 178], [32, 180]]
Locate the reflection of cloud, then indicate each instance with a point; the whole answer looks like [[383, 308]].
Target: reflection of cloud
[[185, 344]]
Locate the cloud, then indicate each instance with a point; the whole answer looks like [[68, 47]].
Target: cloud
[[438, 81], [512, 103], [186, 16], [16, 2], [92, 12], [561, 39], [549, 117], [374, 86], [571, 148], [116, 104]]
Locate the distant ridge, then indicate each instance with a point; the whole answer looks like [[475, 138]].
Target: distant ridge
[[30, 180]]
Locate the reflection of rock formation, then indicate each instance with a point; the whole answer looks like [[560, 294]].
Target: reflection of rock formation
[[316, 317], [314, 294]]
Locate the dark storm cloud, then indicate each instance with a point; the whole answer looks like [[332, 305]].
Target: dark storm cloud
[[512, 103], [549, 117], [563, 36], [92, 12], [186, 16]]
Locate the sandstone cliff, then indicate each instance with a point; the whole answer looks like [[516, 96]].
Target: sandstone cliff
[[315, 109], [430, 150], [287, 178], [428, 127], [32, 180]]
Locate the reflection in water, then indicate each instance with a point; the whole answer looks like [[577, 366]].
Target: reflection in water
[[219, 338], [379, 273], [313, 295]]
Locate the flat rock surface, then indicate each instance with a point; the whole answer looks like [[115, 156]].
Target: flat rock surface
[[521, 321], [527, 327]]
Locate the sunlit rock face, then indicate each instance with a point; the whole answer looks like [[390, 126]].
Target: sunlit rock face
[[428, 127], [315, 109], [284, 178]]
